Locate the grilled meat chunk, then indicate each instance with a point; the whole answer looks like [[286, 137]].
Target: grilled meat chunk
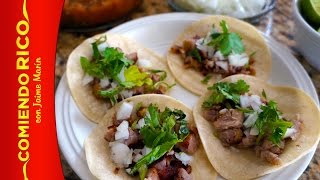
[[212, 114], [133, 137], [230, 136], [152, 174], [190, 144], [182, 175], [110, 133], [231, 119]]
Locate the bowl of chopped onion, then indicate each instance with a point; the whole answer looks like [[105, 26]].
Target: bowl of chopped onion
[[249, 10]]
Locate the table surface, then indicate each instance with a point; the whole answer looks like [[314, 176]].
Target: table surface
[[278, 24]]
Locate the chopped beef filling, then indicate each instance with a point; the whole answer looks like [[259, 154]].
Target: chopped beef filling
[[206, 63], [167, 167], [160, 89], [228, 124]]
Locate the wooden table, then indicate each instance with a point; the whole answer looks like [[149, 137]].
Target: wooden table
[[278, 24]]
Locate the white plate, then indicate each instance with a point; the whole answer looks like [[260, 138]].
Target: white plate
[[157, 32]]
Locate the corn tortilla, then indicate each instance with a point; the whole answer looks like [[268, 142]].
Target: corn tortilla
[[93, 108], [234, 163], [252, 40], [98, 152]]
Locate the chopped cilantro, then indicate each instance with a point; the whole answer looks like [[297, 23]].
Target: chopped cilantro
[[195, 54], [222, 91], [264, 95], [96, 53], [159, 133], [112, 94], [157, 71], [270, 122], [206, 79], [227, 42]]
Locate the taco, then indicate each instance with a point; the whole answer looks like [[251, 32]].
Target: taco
[[147, 136], [250, 128], [108, 68], [216, 47]]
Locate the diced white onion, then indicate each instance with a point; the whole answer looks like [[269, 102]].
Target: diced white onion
[[121, 75], [146, 150], [290, 132], [86, 79], [201, 44], [223, 65], [128, 170], [170, 153], [104, 82], [211, 52], [238, 60], [183, 157], [249, 122], [121, 154], [144, 63], [126, 93], [244, 101], [114, 84], [247, 132], [219, 56], [137, 157], [223, 111], [102, 46], [124, 111], [253, 101], [254, 131], [141, 123], [122, 131]]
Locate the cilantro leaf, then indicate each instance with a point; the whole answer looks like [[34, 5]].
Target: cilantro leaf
[[96, 52], [153, 119], [160, 134], [270, 122], [264, 95], [114, 61], [222, 91], [163, 75], [93, 69], [206, 79], [112, 94], [195, 54], [231, 43], [227, 42], [154, 155]]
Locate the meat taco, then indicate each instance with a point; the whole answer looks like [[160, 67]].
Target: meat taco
[[216, 47], [147, 136], [250, 128], [108, 68]]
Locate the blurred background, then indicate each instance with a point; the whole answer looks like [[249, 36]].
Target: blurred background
[[293, 23]]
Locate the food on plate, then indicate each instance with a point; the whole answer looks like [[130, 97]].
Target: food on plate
[[234, 8], [83, 13], [215, 47], [254, 128], [108, 68], [147, 136]]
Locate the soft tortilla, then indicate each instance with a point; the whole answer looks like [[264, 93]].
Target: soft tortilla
[[244, 164], [89, 105], [253, 42], [98, 152]]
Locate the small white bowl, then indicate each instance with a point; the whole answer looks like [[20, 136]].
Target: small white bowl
[[307, 39]]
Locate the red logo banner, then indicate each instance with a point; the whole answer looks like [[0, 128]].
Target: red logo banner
[[29, 147]]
